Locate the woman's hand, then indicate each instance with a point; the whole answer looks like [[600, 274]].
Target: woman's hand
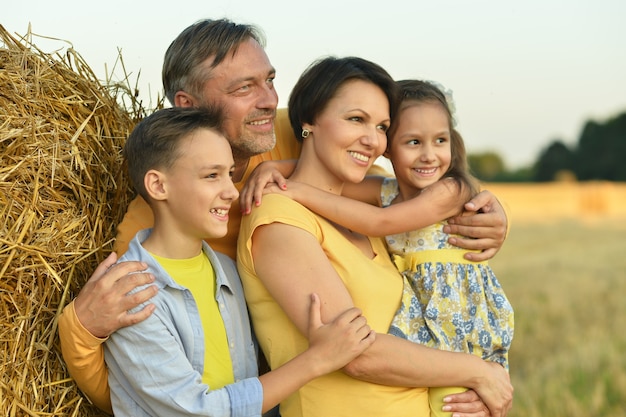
[[485, 225], [465, 404], [495, 390]]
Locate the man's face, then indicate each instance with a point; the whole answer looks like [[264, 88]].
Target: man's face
[[244, 84]]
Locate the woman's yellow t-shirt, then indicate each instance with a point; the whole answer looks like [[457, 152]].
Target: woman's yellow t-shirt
[[375, 286]]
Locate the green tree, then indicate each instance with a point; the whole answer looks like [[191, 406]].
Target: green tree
[[602, 150], [486, 166], [557, 157]]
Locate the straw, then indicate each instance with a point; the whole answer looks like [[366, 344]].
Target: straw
[[63, 190]]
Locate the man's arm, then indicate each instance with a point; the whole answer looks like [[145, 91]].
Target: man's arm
[[84, 357], [98, 310], [485, 226]]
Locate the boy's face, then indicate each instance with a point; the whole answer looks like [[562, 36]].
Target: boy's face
[[199, 185], [420, 149]]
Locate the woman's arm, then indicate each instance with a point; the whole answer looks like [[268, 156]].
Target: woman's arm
[[438, 202], [423, 366], [390, 360]]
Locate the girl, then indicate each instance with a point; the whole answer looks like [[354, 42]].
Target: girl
[[448, 302]]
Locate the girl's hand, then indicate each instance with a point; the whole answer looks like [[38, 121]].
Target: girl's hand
[[337, 343], [265, 173]]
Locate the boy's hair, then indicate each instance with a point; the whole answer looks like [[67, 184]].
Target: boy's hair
[[154, 142], [321, 80], [415, 92], [182, 65]]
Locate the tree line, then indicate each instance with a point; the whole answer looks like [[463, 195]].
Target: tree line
[[599, 154]]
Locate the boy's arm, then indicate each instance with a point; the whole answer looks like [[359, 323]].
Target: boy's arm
[[136, 356], [435, 203], [331, 346]]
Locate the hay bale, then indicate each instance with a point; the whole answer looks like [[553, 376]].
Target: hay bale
[[63, 190]]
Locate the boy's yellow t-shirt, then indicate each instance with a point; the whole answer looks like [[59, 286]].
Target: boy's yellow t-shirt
[[198, 276]]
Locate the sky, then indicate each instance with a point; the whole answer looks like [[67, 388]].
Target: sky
[[523, 74]]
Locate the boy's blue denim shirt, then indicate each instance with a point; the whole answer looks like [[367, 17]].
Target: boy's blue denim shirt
[[155, 366]]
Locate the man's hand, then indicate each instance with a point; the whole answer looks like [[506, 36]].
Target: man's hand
[[485, 225], [103, 303]]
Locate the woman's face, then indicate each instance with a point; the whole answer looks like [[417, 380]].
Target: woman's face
[[350, 133]]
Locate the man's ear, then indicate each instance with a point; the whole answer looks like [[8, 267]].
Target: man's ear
[[183, 99], [154, 181]]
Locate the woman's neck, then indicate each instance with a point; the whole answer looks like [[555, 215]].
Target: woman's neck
[[312, 172]]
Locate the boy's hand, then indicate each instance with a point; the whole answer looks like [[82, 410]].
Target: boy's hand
[[485, 225], [341, 340]]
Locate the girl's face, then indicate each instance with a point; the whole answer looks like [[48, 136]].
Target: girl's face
[[420, 149], [350, 133], [200, 186]]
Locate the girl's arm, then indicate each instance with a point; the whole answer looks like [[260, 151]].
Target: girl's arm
[[275, 172], [265, 173], [389, 360], [435, 203]]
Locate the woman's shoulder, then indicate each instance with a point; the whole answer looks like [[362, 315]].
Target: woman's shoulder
[[276, 208]]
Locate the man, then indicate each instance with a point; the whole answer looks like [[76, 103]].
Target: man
[[223, 63]]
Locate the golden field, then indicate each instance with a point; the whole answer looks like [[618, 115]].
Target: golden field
[[563, 268]]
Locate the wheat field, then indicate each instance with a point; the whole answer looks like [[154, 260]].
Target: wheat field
[[565, 274]]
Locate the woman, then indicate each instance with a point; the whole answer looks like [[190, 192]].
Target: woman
[[342, 108]]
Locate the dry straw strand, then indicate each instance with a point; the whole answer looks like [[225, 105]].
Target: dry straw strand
[[63, 190]]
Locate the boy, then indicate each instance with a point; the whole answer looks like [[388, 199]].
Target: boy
[[195, 354]]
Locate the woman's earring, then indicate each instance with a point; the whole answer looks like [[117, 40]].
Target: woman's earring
[[305, 133]]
